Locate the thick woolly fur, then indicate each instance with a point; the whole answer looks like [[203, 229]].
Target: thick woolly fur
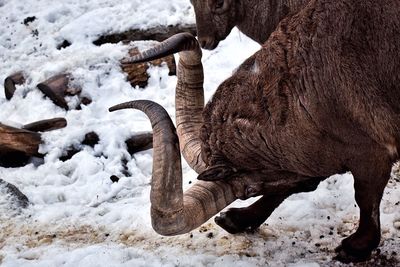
[[321, 97]]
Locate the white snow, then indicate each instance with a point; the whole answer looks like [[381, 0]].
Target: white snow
[[78, 217]]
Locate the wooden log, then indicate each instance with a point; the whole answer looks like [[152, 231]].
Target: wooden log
[[158, 33], [11, 81], [13, 159], [139, 142], [137, 73], [17, 146], [46, 125], [14, 139], [57, 88]]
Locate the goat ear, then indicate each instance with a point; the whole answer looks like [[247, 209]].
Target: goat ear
[[217, 173]]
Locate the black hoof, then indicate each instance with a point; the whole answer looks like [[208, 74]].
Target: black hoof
[[350, 256]]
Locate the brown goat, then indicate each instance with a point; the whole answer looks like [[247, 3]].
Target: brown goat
[[321, 97], [255, 18]]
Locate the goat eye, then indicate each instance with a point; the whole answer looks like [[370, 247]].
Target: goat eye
[[219, 4]]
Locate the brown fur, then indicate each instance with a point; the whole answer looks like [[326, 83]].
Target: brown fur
[[255, 18], [321, 97]]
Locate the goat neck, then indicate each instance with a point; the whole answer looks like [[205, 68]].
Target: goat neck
[[268, 13], [173, 212], [189, 100]]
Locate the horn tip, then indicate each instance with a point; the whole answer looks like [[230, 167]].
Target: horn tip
[[132, 60], [126, 105], [115, 108]]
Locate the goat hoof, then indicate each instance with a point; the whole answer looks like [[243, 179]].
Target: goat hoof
[[234, 222], [358, 246], [346, 256]]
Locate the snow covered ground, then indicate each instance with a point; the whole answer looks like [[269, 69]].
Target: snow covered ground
[[78, 217]]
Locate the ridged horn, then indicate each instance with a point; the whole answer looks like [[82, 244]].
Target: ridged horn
[[189, 99], [172, 211], [176, 43]]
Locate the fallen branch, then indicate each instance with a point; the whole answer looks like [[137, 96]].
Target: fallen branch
[[139, 142], [14, 139], [159, 33], [46, 125]]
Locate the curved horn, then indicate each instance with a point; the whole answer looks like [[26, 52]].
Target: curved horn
[[173, 212], [176, 43], [189, 98]]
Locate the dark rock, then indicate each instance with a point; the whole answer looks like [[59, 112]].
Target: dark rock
[[15, 199], [91, 139], [28, 20], [64, 44], [114, 179]]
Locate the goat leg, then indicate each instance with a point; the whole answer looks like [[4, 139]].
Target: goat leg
[[239, 220], [369, 184]]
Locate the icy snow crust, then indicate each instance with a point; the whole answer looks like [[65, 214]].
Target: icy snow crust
[[77, 216]]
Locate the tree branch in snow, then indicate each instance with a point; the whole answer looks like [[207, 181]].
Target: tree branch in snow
[[46, 125], [14, 139], [159, 33], [139, 142]]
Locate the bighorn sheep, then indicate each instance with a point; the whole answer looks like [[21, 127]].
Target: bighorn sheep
[[256, 19], [321, 97]]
